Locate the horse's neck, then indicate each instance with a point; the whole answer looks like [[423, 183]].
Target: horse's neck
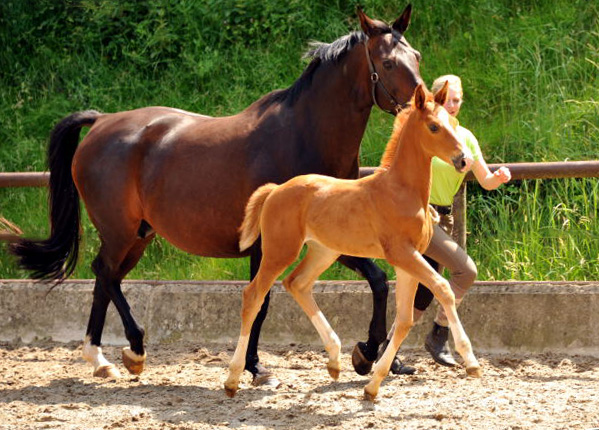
[[411, 167], [336, 107]]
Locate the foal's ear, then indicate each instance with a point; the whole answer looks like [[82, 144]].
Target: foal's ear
[[441, 95], [371, 27], [420, 97], [402, 23]]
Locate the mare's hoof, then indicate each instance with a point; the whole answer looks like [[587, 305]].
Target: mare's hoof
[[107, 372], [334, 372], [474, 372], [265, 378], [361, 364], [134, 363]]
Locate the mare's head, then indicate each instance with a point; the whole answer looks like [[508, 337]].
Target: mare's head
[[393, 63]]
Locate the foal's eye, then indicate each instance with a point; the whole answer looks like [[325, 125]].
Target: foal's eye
[[388, 64], [433, 127]]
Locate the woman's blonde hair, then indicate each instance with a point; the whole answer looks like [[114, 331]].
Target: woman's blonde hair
[[452, 79]]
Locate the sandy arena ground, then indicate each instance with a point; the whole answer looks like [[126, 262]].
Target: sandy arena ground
[[46, 385]]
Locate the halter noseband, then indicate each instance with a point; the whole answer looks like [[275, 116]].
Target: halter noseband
[[375, 79]]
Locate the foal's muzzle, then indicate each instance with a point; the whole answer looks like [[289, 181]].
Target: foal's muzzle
[[462, 162]]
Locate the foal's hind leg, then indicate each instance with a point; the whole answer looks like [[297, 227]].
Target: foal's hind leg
[[300, 282], [253, 297]]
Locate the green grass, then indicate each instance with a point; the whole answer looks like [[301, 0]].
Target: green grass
[[530, 72]]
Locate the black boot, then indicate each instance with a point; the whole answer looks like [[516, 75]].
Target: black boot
[[436, 344]]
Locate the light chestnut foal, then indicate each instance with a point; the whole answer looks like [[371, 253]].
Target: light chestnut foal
[[385, 215]]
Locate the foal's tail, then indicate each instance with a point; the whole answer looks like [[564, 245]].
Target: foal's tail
[[55, 258], [250, 228]]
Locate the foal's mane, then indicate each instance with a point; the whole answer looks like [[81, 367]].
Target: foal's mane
[[398, 125]]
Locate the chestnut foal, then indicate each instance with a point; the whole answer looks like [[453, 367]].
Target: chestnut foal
[[385, 215]]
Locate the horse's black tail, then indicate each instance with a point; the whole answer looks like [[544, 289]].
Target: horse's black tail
[[55, 258]]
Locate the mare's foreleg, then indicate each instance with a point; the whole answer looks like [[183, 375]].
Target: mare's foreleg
[[405, 291], [299, 283], [365, 353]]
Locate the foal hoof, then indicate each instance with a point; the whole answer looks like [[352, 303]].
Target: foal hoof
[[474, 372], [107, 372], [368, 395], [134, 363], [361, 364], [334, 372], [230, 391]]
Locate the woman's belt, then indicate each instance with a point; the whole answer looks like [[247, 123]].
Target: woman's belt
[[443, 210]]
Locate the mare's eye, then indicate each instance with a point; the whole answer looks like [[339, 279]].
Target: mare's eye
[[433, 127], [388, 64]]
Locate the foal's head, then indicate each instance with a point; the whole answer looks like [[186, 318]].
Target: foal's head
[[427, 122]]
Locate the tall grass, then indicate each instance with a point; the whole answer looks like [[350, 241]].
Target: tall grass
[[530, 72]]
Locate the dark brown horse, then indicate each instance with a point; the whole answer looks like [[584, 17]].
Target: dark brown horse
[[187, 177]]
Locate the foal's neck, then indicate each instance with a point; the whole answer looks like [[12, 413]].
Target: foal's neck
[[411, 166]]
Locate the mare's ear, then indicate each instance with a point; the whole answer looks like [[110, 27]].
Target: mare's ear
[[370, 26], [402, 23], [420, 97], [441, 95]]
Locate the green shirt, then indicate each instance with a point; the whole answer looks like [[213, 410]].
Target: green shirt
[[446, 179]]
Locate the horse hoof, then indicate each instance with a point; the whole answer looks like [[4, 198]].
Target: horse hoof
[[369, 396], [361, 364], [230, 391], [265, 380], [334, 372], [107, 372], [134, 363], [474, 372]]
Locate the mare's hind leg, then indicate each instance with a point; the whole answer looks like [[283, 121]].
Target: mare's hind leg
[[300, 282], [365, 353], [110, 268]]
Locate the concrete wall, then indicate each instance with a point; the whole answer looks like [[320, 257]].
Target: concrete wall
[[512, 316]]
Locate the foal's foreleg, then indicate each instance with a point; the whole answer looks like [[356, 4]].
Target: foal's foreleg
[[444, 294], [365, 353], [405, 291], [299, 284]]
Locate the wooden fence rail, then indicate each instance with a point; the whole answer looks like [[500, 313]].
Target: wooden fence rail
[[548, 170]]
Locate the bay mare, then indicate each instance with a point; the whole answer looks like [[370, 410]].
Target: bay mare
[[385, 215], [187, 177]]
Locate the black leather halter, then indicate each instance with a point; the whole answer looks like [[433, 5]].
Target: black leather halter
[[376, 80]]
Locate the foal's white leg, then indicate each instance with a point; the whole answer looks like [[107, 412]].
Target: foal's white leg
[[405, 291], [443, 293], [102, 367], [299, 284], [253, 297]]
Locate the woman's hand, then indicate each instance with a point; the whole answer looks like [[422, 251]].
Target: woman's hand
[[503, 174]]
